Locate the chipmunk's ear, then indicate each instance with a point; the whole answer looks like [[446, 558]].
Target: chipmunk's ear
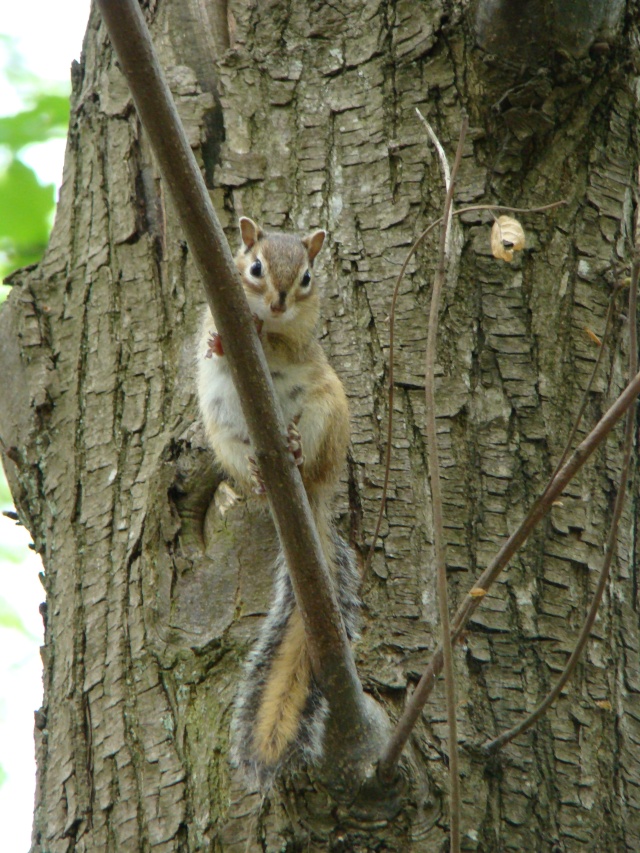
[[251, 232], [313, 243]]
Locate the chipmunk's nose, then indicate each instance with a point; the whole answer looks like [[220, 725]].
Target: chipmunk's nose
[[278, 306]]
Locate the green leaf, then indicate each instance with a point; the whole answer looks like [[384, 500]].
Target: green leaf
[[25, 215], [26, 206], [47, 119]]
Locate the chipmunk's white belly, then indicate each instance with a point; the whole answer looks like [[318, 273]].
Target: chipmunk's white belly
[[219, 400], [220, 403]]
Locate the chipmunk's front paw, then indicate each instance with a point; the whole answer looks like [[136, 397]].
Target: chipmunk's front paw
[[257, 483], [214, 345], [258, 323], [294, 442]]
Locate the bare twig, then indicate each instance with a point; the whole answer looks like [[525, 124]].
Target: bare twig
[[539, 509], [587, 390], [329, 648], [392, 323], [436, 497], [472, 208], [446, 172], [603, 578], [391, 392]]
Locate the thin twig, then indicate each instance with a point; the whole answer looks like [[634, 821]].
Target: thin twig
[[486, 580], [534, 716], [329, 648], [439, 543], [392, 324], [587, 390], [446, 172], [391, 392]]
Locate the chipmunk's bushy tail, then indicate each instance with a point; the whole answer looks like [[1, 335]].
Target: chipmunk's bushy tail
[[280, 712]]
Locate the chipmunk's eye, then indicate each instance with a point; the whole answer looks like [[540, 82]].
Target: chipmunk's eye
[[306, 279], [256, 268]]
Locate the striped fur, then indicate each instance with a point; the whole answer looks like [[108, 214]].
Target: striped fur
[[280, 713]]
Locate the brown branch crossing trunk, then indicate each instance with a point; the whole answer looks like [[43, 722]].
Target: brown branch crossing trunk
[[303, 116], [352, 725], [486, 580]]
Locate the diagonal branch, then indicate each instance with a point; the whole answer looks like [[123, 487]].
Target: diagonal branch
[[539, 509], [603, 577], [587, 390], [329, 648]]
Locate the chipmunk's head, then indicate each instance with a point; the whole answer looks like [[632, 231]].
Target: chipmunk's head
[[277, 274]]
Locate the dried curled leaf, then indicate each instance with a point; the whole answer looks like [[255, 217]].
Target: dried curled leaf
[[592, 336], [477, 592], [507, 237]]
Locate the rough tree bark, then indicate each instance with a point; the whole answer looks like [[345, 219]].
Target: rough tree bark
[[303, 115]]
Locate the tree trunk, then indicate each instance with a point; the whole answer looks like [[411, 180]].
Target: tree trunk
[[157, 579]]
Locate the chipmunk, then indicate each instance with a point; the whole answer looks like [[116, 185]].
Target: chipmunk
[[280, 712]]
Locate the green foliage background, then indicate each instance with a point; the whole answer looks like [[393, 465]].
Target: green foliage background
[[26, 214], [26, 205]]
